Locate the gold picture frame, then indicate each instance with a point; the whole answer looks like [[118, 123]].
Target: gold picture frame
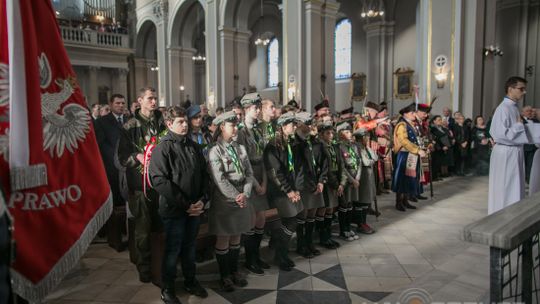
[[358, 86], [403, 83]]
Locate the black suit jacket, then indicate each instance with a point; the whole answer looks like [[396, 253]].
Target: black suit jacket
[[108, 131]]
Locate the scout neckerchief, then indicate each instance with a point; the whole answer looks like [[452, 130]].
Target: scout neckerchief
[[310, 146], [232, 153], [290, 160], [353, 155], [270, 130], [257, 137], [333, 157]]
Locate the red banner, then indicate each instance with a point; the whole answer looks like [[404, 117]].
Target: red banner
[[52, 171]]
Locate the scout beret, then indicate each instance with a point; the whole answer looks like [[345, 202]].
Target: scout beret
[[225, 117], [304, 117], [286, 118], [250, 99], [342, 126]]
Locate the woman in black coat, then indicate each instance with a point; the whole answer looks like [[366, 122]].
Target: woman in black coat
[[442, 145], [481, 146]]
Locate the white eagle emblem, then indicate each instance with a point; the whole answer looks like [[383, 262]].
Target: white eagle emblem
[[61, 131]]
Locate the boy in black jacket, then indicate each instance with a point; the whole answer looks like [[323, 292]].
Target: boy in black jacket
[[178, 173]]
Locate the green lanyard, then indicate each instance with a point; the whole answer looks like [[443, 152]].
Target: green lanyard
[[270, 130], [257, 136], [234, 156], [333, 157], [354, 156], [290, 160], [311, 152]]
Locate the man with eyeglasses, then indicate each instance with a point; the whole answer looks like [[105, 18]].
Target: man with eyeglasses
[[507, 166]]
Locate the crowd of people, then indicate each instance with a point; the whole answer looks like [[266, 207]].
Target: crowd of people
[[174, 164]]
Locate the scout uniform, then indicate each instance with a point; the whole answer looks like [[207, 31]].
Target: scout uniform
[[316, 169], [232, 174], [283, 161], [367, 189], [252, 139], [336, 177], [203, 138], [353, 171]]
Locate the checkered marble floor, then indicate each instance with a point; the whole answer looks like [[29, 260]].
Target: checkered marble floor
[[417, 251]]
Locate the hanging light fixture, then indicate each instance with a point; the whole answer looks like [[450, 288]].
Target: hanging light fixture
[[372, 8], [262, 40], [198, 57]]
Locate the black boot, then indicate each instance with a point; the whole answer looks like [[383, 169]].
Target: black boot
[[342, 218], [363, 226], [226, 282], [301, 248], [237, 278], [328, 229], [411, 198], [310, 225], [399, 202], [262, 264], [406, 204], [324, 236], [168, 294], [350, 215], [250, 242], [281, 244]]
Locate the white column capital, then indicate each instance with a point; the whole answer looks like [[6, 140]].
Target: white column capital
[[331, 9], [314, 6], [381, 28], [243, 36], [227, 32]]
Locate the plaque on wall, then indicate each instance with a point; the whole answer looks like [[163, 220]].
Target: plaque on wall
[[358, 86], [403, 83]]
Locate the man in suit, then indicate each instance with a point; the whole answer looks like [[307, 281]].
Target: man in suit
[[108, 129], [528, 114], [447, 117]]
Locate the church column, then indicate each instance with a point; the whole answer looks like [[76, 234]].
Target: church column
[[121, 82], [378, 36], [292, 50], [313, 53], [212, 95], [261, 67], [92, 85], [141, 73], [187, 78], [161, 10], [175, 69], [242, 53], [229, 75], [329, 89]]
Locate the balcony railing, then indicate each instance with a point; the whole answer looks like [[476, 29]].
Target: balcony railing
[[94, 38], [512, 235]]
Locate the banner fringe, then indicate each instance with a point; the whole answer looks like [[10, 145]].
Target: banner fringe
[[35, 293], [28, 177]]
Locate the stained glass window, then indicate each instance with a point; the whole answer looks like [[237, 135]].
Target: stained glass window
[[343, 42], [273, 63]]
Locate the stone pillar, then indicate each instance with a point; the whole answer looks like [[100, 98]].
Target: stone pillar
[[228, 67], [187, 76], [175, 70], [93, 92], [141, 73], [329, 88], [378, 36], [292, 50], [161, 11], [121, 82], [261, 67], [213, 66], [242, 53], [313, 53]]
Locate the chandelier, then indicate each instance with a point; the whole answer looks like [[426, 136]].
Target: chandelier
[[198, 58], [262, 40], [372, 8]]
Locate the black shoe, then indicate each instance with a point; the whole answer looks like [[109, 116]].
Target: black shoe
[[226, 284], [196, 289], [313, 250], [328, 244], [371, 211], [412, 199], [336, 243], [145, 277], [239, 279], [400, 207], [262, 264], [408, 206], [420, 197], [254, 268], [305, 252], [168, 296]]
